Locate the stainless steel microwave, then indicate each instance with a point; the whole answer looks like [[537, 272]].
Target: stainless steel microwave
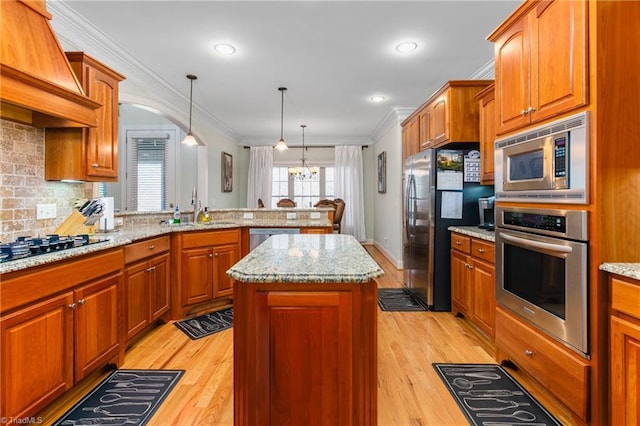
[[545, 164]]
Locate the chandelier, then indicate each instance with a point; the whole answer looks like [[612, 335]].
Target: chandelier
[[303, 172]]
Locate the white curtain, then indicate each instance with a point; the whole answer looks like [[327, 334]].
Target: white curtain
[[349, 185], [260, 175]]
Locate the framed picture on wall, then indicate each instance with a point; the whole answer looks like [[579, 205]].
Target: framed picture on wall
[[227, 172], [382, 172]]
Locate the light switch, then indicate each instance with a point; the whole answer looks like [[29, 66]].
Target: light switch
[[315, 215], [291, 216], [248, 216]]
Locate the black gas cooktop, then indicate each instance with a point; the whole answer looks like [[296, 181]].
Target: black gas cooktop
[[34, 246]]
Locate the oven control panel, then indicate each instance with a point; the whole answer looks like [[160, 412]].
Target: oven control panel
[[544, 222]]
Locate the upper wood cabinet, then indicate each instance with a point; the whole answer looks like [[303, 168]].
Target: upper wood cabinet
[[541, 65], [487, 106], [410, 137], [89, 153]]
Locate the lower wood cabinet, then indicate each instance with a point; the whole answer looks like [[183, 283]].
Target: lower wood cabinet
[[202, 260], [147, 277], [473, 280], [625, 351], [65, 331], [305, 354]]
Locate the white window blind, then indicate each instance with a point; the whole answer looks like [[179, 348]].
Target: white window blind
[[147, 174]]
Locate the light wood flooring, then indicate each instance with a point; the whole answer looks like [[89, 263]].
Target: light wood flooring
[[409, 391]]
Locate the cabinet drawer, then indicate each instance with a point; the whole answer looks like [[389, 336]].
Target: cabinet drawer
[[565, 375], [483, 250], [210, 238], [461, 243], [625, 297], [142, 249]]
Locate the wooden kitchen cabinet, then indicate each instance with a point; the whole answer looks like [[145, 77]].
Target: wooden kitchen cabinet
[[473, 281], [146, 283], [410, 137], [204, 257], [541, 67], [55, 335], [90, 153], [487, 117], [625, 351]]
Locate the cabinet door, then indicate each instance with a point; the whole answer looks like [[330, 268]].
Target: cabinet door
[[137, 298], [484, 299], [439, 115], [37, 356], [487, 137], [96, 324], [512, 77], [102, 141], [305, 358], [558, 58], [426, 139], [224, 257], [159, 286], [460, 282], [197, 282], [625, 371]]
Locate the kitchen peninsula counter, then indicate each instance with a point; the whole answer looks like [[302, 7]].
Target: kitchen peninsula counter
[[305, 332]]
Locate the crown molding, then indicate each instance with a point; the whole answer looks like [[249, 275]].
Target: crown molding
[[486, 72], [310, 142], [141, 83], [393, 119]]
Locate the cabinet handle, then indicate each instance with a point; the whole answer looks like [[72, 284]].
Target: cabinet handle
[[468, 266], [530, 109], [528, 353], [82, 301], [210, 256], [481, 250], [523, 112], [95, 165], [152, 246], [153, 268], [72, 306], [458, 242]]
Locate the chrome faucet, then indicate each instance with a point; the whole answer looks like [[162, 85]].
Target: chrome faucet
[[197, 205]]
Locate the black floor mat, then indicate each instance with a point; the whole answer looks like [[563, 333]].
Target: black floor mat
[[489, 396], [398, 299], [207, 324], [125, 397]]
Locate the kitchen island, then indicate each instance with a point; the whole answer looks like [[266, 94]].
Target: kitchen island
[[305, 332]]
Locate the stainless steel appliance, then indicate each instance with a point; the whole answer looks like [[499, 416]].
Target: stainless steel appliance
[[437, 196], [541, 270], [545, 164], [486, 212], [258, 235]]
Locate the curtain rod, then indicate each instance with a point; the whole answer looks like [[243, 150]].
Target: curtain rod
[[310, 146]]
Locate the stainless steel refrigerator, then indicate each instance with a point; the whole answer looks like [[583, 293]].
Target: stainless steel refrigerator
[[441, 190]]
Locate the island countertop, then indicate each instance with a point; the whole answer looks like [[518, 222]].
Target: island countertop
[[307, 258]]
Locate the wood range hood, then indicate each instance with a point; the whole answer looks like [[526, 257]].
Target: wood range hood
[[37, 85]]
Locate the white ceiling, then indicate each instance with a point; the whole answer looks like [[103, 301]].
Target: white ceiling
[[332, 56]]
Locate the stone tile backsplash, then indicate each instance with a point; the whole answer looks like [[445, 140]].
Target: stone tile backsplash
[[22, 184]]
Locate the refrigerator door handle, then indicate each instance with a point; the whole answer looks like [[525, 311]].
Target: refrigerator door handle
[[407, 208]]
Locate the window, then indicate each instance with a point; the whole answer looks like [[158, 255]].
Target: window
[[304, 193], [147, 173]]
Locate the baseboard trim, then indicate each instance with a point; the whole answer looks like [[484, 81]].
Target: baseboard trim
[[396, 262]]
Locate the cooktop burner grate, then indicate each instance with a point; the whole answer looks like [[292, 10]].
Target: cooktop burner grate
[[33, 246]]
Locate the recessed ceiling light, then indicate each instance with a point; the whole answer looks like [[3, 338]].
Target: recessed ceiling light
[[376, 99], [224, 49], [406, 47]]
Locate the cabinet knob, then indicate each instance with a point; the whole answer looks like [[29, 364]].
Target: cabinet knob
[[216, 254], [523, 112], [458, 242], [528, 353], [72, 305], [210, 256], [481, 250], [468, 266], [94, 165], [82, 301], [152, 246], [530, 109]]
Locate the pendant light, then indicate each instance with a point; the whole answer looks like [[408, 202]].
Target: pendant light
[[305, 172], [281, 145], [189, 139]]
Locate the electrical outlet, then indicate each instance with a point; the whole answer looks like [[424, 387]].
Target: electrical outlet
[[315, 215], [248, 216], [46, 211], [291, 216]]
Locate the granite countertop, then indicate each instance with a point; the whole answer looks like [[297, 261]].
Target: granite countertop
[[136, 233], [629, 270], [307, 258], [474, 231]]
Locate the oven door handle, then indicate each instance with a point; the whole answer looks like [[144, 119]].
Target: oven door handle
[[537, 244]]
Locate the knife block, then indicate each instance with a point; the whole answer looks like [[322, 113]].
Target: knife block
[[74, 225]]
